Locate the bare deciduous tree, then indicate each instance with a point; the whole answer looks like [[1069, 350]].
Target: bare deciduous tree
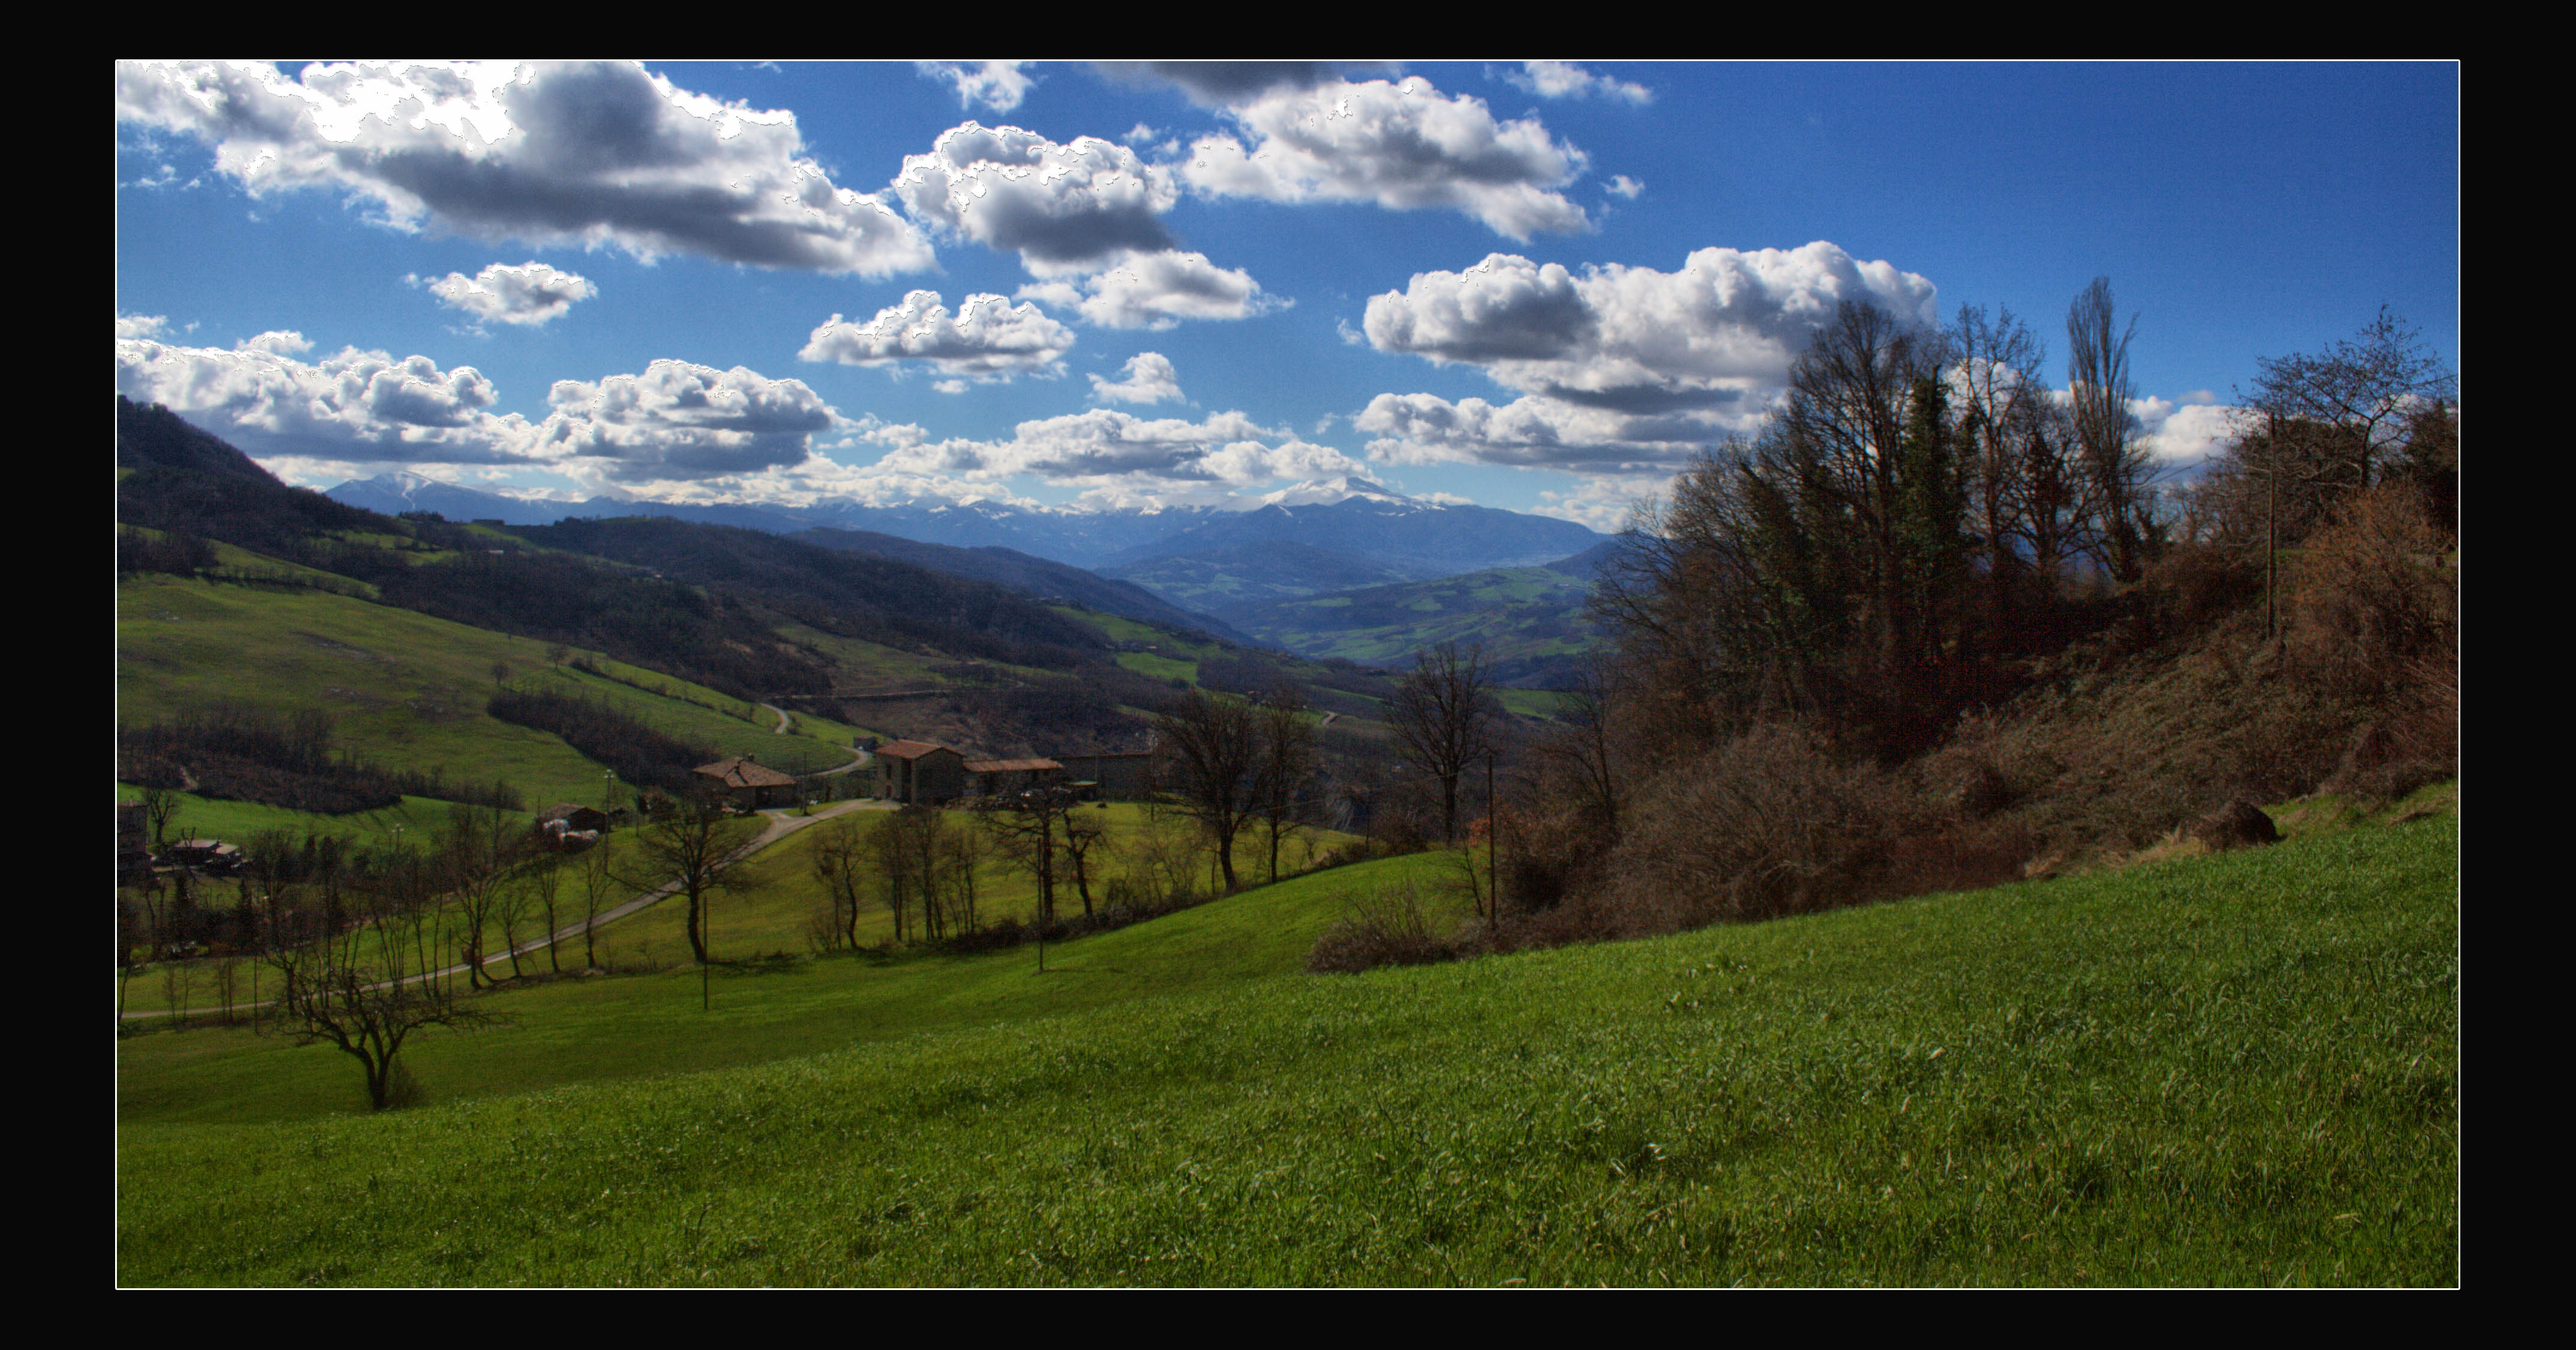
[[1287, 764], [1445, 719], [1028, 827], [690, 845], [598, 883], [839, 864], [476, 854], [325, 994], [2097, 377], [1213, 747]]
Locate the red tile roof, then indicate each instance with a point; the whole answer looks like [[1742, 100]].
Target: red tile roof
[[910, 749], [740, 771]]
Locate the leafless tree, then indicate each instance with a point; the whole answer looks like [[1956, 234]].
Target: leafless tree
[[1445, 719], [2097, 377], [545, 882], [840, 865], [1213, 747], [961, 853], [2355, 397], [324, 993], [1028, 827], [1084, 837], [510, 906], [691, 845], [598, 883], [160, 807], [1579, 753], [476, 853], [1287, 764], [906, 849]]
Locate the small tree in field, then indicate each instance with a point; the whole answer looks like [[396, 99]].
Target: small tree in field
[[325, 993], [1213, 746], [691, 845], [598, 883], [1029, 828], [840, 863]]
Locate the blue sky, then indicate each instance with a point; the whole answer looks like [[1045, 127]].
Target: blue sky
[[1534, 286]]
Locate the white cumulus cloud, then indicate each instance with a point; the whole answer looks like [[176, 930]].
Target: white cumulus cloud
[[592, 154], [1157, 290], [529, 294], [1540, 433], [2183, 436], [998, 85], [987, 338], [1149, 379], [355, 406], [1402, 146], [1064, 208], [1105, 447], [1564, 79], [1622, 368], [679, 421]]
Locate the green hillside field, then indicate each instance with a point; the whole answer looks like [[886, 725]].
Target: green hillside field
[[2237, 1069], [409, 690]]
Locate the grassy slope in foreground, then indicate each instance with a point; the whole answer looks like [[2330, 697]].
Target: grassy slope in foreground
[[2228, 1070]]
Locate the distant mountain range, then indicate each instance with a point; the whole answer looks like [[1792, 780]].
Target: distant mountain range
[[1214, 563], [1412, 537]]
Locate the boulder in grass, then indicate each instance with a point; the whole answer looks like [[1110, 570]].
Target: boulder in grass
[[2234, 825]]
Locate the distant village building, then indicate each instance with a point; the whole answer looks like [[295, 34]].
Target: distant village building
[[1124, 778], [746, 784], [572, 816], [995, 776], [214, 855], [571, 826], [920, 773]]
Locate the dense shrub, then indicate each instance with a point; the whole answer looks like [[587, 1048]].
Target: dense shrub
[[1775, 821], [2372, 602], [1385, 927]]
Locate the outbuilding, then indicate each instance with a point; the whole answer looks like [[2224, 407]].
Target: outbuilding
[[995, 776]]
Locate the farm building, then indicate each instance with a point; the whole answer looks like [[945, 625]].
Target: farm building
[[992, 776], [573, 816], [214, 855], [922, 773], [746, 784]]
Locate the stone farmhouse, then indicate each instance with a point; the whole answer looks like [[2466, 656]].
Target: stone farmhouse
[[747, 784]]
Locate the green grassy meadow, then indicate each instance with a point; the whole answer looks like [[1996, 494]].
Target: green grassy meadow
[[2238, 1069]]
